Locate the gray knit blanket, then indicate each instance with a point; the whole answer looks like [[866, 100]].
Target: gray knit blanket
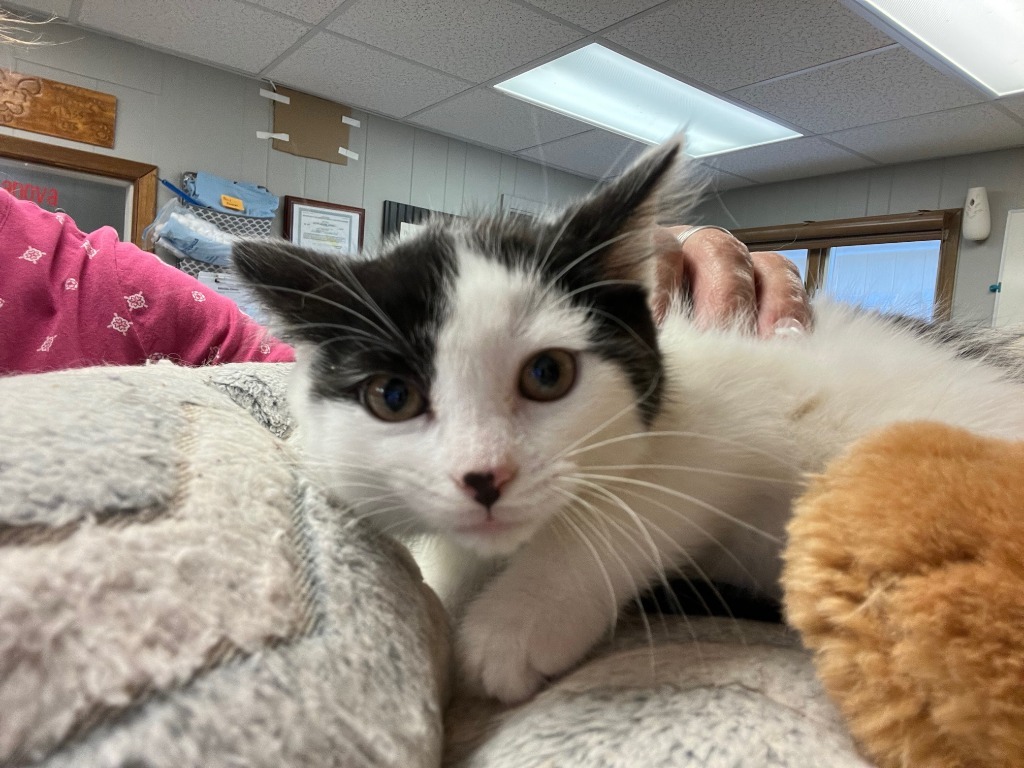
[[174, 593]]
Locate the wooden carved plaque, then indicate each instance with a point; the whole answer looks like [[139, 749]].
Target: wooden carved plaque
[[56, 109]]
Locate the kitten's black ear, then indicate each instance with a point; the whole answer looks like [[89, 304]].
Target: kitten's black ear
[[295, 284], [620, 217]]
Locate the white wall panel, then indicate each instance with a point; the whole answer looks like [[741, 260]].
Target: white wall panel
[[346, 181], [429, 170], [389, 153], [507, 181], [917, 190], [852, 195], [482, 181], [455, 177], [879, 191], [318, 180]]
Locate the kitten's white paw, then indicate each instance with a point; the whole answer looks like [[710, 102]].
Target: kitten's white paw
[[509, 647]]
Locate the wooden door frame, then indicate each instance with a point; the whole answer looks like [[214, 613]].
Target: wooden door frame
[[142, 176]]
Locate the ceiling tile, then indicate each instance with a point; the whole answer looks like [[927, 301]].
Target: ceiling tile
[[313, 11], [882, 86], [977, 128], [1014, 103], [476, 41], [96, 56], [597, 154], [792, 159], [59, 8], [372, 80], [596, 14], [728, 45], [713, 181], [228, 32], [485, 116]]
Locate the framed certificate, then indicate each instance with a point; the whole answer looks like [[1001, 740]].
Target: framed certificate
[[323, 226]]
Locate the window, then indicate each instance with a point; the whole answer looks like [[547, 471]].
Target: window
[[904, 263], [886, 276]]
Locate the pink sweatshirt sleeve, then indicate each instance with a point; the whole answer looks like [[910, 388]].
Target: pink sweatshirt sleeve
[[70, 299], [179, 318]]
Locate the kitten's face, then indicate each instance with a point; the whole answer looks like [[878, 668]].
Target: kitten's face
[[462, 382], [514, 385]]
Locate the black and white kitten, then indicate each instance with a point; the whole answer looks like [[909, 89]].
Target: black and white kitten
[[500, 384]]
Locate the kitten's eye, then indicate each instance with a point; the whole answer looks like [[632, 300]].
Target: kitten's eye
[[548, 375], [392, 398]]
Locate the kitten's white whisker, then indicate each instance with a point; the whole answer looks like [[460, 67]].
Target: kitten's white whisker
[[373, 499], [551, 248], [743, 447], [636, 591], [583, 257], [369, 302], [693, 523], [350, 331], [567, 520], [565, 297], [571, 450], [370, 305], [674, 545], [624, 326], [696, 470], [682, 496], [323, 299], [654, 558]]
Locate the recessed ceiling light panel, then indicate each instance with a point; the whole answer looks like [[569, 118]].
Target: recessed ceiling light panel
[[983, 39], [603, 88]]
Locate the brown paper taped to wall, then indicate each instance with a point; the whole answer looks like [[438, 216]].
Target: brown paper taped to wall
[[313, 125]]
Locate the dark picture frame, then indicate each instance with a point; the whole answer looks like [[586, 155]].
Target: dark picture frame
[[324, 226]]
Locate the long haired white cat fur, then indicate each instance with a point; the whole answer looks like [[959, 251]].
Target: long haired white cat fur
[[500, 384]]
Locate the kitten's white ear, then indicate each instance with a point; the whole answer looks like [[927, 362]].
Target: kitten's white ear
[[620, 217]]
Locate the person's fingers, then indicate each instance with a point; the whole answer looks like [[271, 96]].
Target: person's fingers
[[671, 273], [717, 275], [782, 303]]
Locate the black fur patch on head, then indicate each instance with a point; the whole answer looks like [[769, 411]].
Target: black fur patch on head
[[362, 317], [599, 253]]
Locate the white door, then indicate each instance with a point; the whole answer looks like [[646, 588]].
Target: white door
[[1010, 299]]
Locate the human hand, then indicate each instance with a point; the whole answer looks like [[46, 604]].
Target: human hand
[[728, 286]]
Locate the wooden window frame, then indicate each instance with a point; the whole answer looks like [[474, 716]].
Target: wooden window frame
[[142, 176], [819, 237]]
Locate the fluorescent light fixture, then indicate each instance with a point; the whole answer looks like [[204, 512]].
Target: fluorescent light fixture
[[604, 88], [983, 39]]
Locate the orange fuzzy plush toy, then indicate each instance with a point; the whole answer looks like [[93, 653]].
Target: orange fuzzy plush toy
[[905, 575]]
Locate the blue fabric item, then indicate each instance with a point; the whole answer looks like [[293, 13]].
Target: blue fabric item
[[207, 188], [196, 239], [180, 193]]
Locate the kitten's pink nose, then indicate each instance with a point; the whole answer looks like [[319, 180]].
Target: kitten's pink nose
[[485, 487]]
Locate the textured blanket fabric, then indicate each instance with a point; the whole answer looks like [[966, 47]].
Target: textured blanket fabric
[[173, 594], [697, 693]]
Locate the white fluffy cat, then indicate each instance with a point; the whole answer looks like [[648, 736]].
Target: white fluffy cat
[[500, 385]]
